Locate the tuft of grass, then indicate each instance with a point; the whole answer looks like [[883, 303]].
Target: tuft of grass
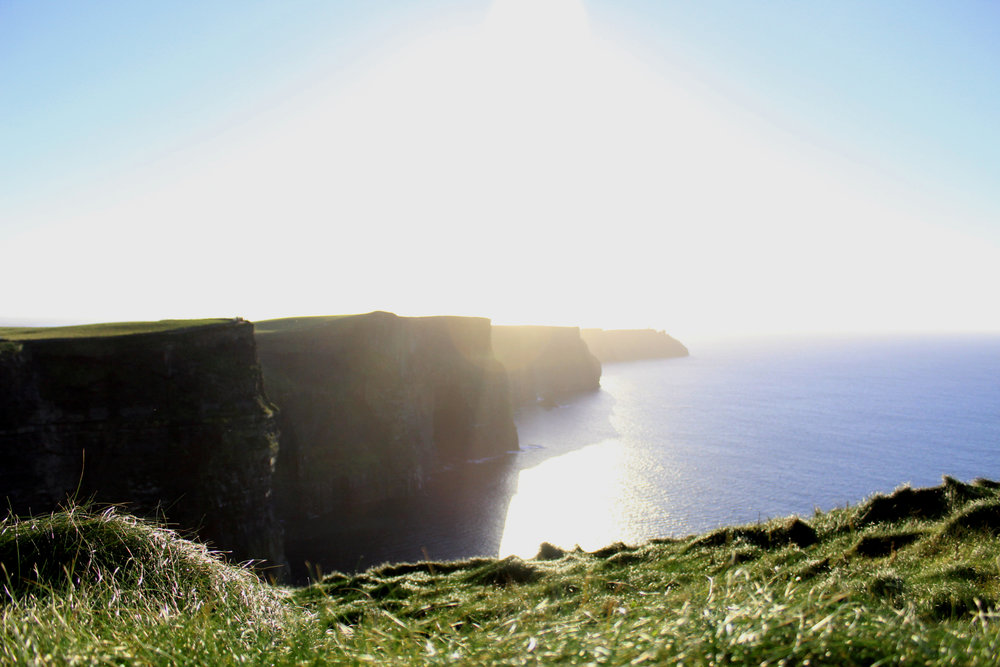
[[81, 549], [103, 587]]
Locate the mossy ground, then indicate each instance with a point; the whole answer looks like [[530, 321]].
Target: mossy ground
[[102, 330], [298, 324], [909, 578]]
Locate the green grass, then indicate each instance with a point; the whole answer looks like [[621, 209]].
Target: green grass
[[107, 588], [103, 330], [290, 324], [910, 578]]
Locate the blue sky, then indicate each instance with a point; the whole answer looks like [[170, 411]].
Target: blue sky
[[91, 90], [904, 88], [709, 167]]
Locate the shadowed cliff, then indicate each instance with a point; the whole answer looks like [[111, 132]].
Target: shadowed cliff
[[545, 363], [166, 417], [372, 405], [610, 345]]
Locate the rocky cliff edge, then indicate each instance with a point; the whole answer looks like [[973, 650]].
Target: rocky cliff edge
[[168, 418], [371, 405]]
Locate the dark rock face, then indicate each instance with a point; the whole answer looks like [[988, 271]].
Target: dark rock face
[[171, 424], [631, 344], [371, 405], [545, 363]]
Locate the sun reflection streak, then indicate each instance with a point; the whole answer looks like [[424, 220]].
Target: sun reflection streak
[[576, 498]]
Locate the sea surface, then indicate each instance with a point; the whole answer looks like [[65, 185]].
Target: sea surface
[[738, 432]]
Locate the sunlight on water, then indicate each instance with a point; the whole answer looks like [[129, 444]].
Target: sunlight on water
[[571, 499], [748, 432]]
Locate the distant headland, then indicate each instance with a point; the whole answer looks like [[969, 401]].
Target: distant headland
[[610, 345]]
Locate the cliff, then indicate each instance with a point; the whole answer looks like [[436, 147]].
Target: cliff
[[168, 418], [545, 363], [632, 344], [371, 405]]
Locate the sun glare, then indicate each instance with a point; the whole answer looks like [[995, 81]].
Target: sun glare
[[569, 500], [528, 170]]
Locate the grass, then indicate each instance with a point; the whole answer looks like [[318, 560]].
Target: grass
[[298, 324], [906, 578], [106, 588], [103, 330]]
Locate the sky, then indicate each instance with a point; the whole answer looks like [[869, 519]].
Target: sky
[[708, 168]]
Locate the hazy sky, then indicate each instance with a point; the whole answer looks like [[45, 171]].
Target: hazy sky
[[704, 167]]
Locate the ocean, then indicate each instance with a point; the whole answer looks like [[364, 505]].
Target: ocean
[[739, 432]]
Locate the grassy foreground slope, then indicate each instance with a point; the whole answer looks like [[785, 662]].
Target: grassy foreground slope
[[908, 578]]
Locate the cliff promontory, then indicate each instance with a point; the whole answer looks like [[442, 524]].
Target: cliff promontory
[[371, 405], [167, 417], [545, 363], [611, 345]]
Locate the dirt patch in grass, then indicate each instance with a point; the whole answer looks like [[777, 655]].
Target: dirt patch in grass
[[744, 555], [926, 504], [813, 568], [429, 567], [507, 572], [958, 602], [980, 516], [611, 550], [877, 546], [889, 586], [549, 551], [965, 573], [792, 531], [904, 503], [629, 557]]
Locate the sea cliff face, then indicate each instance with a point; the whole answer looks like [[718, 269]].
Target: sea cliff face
[[169, 420], [610, 345], [545, 363], [371, 405]]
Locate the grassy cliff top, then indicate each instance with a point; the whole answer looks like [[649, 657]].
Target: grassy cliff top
[[907, 578], [299, 324], [289, 324], [104, 329]]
